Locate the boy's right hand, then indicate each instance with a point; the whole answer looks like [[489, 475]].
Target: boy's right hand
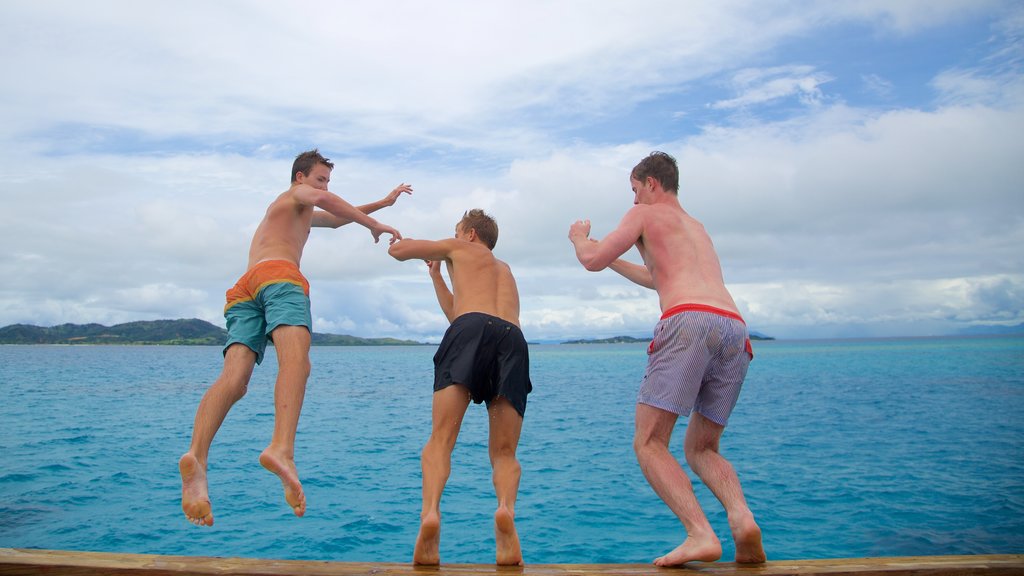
[[383, 229]]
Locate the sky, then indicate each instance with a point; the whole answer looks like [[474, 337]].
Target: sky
[[859, 165]]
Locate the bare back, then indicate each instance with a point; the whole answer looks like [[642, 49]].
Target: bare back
[[481, 282], [681, 258], [283, 232]]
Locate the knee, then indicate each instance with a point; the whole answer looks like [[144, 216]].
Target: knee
[[438, 446], [645, 446], [697, 454], [503, 454], [302, 367], [233, 387]]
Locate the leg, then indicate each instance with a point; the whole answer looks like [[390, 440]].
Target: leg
[[229, 387], [505, 426], [292, 345], [449, 406], [702, 437], [666, 476]]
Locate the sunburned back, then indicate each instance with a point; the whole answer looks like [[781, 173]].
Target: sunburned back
[[681, 257], [283, 232], [482, 283]]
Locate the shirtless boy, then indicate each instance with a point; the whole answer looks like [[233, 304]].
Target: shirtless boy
[[680, 263], [483, 357], [271, 301]]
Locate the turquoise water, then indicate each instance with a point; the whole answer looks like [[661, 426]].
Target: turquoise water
[[845, 449]]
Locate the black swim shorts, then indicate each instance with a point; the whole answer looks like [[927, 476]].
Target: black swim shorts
[[487, 355]]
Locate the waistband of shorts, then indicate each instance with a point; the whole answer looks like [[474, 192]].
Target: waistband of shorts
[[265, 274], [275, 272], [680, 308], [468, 315]]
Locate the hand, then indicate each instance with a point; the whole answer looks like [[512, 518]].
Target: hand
[[402, 188], [434, 268], [579, 230], [382, 229]]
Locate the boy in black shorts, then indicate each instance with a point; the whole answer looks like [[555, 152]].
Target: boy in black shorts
[[483, 357]]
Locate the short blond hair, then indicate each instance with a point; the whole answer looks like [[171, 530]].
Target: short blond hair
[[485, 226]]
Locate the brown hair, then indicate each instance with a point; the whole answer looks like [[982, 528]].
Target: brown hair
[[660, 166], [485, 226], [307, 160]]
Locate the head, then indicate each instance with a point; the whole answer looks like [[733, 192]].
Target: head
[[306, 162], [660, 166], [477, 221]]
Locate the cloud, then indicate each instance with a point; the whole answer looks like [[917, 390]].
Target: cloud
[[142, 144], [762, 86]]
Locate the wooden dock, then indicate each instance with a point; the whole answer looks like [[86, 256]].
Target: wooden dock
[[29, 561]]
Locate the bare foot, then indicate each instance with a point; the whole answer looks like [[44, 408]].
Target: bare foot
[[289, 475], [747, 536], [195, 499], [428, 540], [506, 539], [692, 549]]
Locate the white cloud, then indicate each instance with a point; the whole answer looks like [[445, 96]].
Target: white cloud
[[762, 86], [142, 142]]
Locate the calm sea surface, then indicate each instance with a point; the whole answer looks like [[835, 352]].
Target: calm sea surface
[[845, 449]]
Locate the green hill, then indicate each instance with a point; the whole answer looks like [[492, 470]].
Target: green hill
[[612, 340], [183, 332], [632, 340]]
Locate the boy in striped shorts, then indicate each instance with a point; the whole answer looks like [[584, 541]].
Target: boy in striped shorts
[[697, 359]]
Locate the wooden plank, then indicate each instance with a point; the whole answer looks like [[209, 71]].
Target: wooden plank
[[28, 561]]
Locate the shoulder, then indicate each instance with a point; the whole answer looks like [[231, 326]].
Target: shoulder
[[304, 194], [641, 212], [637, 217]]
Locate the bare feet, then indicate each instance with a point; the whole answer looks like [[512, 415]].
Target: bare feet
[[506, 539], [747, 536], [693, 549], [289, 475], [195, 499], [427, 541]]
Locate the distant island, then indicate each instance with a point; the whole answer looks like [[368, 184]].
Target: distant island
[[632, 340], [612, 340], [191, 332]]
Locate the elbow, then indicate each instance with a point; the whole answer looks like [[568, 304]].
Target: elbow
[[592, 264], [398, 252]]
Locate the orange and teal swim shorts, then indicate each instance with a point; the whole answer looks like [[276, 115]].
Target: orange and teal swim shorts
[[270, 294]]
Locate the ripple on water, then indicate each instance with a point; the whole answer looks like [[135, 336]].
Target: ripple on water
[[845, 449]]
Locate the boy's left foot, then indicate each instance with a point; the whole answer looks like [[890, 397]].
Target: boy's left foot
[[747, 535], [285, 469], [507, 539]]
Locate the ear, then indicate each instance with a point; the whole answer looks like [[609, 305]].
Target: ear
[[471, 234]]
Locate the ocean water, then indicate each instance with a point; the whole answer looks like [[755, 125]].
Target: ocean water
[[845, 449]]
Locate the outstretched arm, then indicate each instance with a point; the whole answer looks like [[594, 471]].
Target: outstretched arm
[[445, 298], [339, 208], [434, 252], [597, 255], [409, 249], [325, 219]]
